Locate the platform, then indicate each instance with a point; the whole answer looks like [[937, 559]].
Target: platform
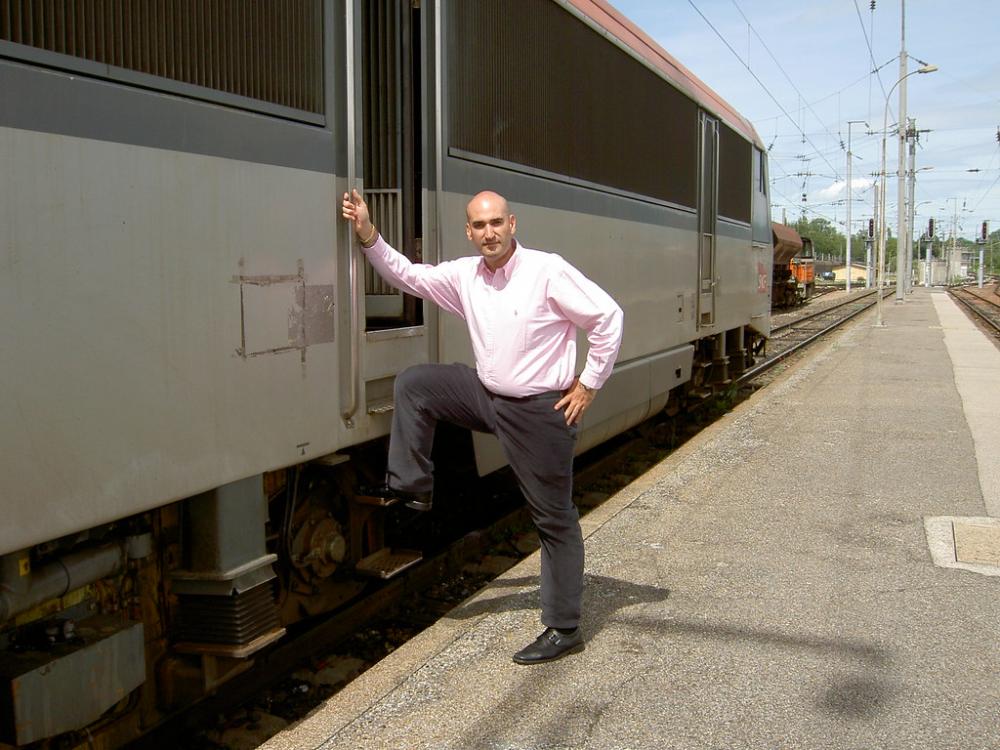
[[787, 579]]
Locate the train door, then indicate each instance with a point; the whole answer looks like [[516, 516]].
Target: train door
[[391, 139], [708, 162]]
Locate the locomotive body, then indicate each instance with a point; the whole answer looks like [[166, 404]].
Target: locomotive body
[[198, 363], [794, 267]]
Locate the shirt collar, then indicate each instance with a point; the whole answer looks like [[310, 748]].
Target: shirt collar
[[507, 269]]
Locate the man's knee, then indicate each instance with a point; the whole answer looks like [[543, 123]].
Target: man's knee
[[413, 380], [562, 523]]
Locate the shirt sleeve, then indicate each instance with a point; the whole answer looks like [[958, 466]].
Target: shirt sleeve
[[592, 309], [440, 284]]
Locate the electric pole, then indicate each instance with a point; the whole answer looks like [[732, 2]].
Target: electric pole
[[954, 239], [911, 135], [901, 204], [850, 199], [929, 254]]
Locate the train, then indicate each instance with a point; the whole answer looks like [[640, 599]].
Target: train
[[197, 361], [794, 279]]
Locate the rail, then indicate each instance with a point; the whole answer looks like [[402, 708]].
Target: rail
[[818, 313], [756, 371], [978, 306]]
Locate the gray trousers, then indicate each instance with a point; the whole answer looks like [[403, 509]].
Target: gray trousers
[[536, 442]]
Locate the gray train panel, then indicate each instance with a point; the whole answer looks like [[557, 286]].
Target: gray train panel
[[173, 327]]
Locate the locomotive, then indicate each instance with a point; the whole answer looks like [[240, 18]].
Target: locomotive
[[794, 267], [197, 361]]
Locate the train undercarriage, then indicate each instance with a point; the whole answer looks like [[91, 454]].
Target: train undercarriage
[[135, 620]]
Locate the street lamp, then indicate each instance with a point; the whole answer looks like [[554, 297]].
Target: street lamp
[[882, 228]]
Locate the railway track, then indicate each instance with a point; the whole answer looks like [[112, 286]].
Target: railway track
[[984, 304], [790, 337], [328, 655], [827, 289]]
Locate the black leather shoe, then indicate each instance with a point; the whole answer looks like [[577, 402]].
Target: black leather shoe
[[549, 646], [415, 500]]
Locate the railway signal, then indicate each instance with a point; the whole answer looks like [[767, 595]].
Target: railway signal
[[869, 242], [981, 241]]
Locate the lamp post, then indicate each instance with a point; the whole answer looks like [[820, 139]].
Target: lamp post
[[882, 175]]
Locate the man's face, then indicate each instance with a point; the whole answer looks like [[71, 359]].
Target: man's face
[[490, 228]]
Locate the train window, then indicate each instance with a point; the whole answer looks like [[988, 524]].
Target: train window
[[761, 171], [761, 211], [265, 51], [533, 85], [735, 175]]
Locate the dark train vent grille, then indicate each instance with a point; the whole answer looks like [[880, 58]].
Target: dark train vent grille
[[270, 50], [382, 134], [236, 619]]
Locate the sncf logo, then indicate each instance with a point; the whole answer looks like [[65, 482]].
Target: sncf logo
[[762, 277]]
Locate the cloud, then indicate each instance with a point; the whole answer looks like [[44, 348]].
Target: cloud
[[836, 190]]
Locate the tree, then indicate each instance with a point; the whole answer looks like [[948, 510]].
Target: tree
[[824, 235]]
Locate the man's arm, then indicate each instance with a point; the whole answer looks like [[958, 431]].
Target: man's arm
[[589, 307], [435, 283]]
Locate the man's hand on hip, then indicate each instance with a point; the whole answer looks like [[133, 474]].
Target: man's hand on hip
[[576, 401]]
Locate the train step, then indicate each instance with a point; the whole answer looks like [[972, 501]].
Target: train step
[[387, 563], [378, 502], [382, 406]]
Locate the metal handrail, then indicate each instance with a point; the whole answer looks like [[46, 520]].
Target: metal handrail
[[350, 399]]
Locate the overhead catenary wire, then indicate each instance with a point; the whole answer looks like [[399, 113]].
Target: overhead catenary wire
[[805, 136], [781, 68], [758, 80], [986, 193], [848, 87], [871, 56], [756, 47]]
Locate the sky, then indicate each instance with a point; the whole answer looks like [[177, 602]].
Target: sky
[[799, 71]]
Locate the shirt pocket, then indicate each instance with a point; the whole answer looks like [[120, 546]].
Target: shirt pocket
[[537, 328]]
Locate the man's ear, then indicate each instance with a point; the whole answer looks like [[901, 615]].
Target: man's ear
[[513, 224]]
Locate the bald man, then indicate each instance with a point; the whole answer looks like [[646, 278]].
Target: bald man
[[522, 308]]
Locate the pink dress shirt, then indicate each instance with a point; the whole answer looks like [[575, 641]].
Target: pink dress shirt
[[522, 318]]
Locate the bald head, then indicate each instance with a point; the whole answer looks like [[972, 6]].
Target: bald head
[[487, 201], [490, 227]]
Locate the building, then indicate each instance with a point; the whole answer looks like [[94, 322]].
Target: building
[[859, 274]]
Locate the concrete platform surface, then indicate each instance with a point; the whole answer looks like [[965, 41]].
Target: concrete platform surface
[[769, 585]]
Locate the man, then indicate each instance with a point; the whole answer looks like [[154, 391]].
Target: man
[[522, 308]]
